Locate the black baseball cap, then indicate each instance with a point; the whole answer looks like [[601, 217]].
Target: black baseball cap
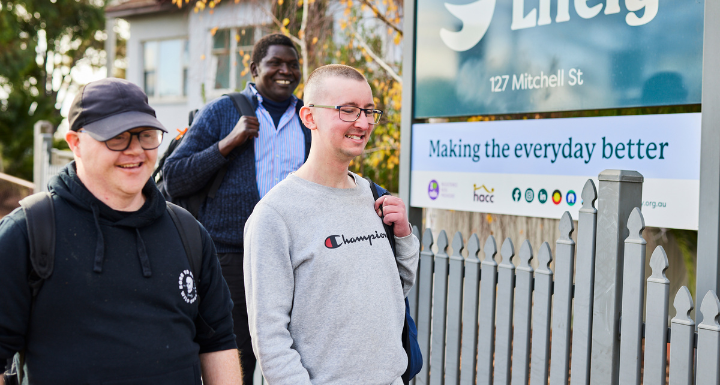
[[108, 107]]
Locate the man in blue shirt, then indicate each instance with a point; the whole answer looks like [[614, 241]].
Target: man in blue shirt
[[259, 153]]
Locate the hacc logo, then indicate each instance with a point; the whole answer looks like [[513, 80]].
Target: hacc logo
[[476, 17]]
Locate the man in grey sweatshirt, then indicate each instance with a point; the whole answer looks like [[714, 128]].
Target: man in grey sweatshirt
[[325, 294]]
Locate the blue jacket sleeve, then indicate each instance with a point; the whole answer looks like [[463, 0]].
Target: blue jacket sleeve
[[215, 302], [197, 159], [15, 294]]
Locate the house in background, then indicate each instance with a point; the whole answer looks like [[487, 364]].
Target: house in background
[[183, 59]]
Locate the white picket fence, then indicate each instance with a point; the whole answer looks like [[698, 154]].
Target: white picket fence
[[483, 322]]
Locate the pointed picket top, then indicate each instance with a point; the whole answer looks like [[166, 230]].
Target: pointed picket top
[[526, 255], [658, 264], [636, 225], [710, 309], [683, 306], [416, 232], [457, 246], [544, 259], [473, 248], [490, 251], [566, 228], [427, 240], [589, 196], [442, 242], [506, 253]]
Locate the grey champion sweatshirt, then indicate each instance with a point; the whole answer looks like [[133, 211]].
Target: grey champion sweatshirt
[[325, 295]]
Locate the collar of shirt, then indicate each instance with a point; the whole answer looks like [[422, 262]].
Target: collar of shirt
[[260, 99]]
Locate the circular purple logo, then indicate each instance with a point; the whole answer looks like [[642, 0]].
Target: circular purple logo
[[433, 189]]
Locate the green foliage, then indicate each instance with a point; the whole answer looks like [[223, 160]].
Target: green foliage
[[41, 41]]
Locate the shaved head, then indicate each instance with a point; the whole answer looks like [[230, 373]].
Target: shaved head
[[314, 89]]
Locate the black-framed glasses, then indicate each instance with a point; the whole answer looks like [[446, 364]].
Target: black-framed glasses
[[351, 113], [149, 140]]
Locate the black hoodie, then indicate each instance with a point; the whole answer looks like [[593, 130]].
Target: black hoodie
[[119, 307]]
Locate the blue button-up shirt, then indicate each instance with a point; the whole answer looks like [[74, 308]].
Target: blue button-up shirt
[[278, 152]]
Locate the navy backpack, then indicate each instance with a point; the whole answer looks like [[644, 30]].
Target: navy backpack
[[409, 333]]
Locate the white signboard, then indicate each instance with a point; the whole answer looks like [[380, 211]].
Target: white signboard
[[538, 168]]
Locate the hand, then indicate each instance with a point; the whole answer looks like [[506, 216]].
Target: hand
[[247, 127], [394, 210]]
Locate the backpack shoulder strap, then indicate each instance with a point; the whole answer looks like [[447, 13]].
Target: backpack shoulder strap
[[40, 217], [242, 104], [189, 230], [377, 192]]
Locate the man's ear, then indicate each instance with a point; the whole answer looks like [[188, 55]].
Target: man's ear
[[253, 70], [308, 118], [73, 140]]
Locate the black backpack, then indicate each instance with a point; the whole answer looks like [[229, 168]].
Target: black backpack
[[193, 202], [40, 218]]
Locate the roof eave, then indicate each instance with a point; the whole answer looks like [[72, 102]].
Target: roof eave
[[139, 11]]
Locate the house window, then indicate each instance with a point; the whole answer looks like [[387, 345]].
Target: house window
[[166, 68], [232, 53]]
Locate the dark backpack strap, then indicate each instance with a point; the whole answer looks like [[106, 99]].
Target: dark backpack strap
[[243, 105], [191, 237], [189, 230], [377, 192], [40, 217], [244, 108]]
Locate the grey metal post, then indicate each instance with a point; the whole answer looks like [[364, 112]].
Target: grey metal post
[[620, 191], [110, 45], [42, 136], [708, 251], [406, 117]]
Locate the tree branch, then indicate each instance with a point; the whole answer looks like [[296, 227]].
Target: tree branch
[[374, 56], [381, 17]]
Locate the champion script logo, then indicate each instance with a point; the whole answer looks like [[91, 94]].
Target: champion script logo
[[335, 241]]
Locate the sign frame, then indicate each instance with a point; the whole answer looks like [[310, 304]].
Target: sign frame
[[708, 249]]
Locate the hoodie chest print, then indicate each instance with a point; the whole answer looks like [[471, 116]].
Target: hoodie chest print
[[336, 240]]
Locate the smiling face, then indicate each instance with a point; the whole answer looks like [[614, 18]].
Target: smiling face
[[278, 73], [112, 176], [342, 140]]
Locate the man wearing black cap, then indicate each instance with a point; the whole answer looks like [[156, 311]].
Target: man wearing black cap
[[122, 305]]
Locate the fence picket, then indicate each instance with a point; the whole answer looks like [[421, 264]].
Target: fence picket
[[585, 274], [503, 324], [470, 312], [683, 336], [437, 335], [486, 329], [541, 318], [708, 349], [633, 296], [454, 310], [523, 311], [425, 289], [658, 292], [562, 302]]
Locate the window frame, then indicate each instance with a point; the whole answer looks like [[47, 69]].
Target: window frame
[[184, 70], [232, 51]]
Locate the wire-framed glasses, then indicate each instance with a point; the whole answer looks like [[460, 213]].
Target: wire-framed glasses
[[149, 140], [351, 113]]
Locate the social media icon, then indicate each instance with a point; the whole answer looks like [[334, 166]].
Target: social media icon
[[516, 195], [542, 196], [529, 195]]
